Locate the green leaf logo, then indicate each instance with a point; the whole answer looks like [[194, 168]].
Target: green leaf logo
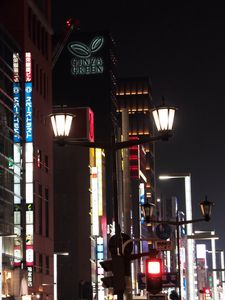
[[83, 51], [96, 44], [79, 49]]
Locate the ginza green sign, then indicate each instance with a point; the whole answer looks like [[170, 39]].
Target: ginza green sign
[[86, 60]]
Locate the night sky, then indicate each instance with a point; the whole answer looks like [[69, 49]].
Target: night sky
[[182, 49]]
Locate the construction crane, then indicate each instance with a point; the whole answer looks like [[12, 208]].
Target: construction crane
[[71, 24]]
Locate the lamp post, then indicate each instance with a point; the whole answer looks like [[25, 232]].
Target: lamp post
[[206, 210], [55, 278], [208, 235], [189, 230], [163, 117], [215, 270]]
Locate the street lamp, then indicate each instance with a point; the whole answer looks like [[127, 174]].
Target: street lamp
[[55, 283], [206, 209], [163, 117], [208, 235], [189, 229], [221, 269]]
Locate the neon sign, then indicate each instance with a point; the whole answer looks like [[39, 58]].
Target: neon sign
[[16, 111], [86, 62], [28, 70], [28, 111]]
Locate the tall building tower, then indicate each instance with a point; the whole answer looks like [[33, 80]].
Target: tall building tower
[[134, 95], [9, 278], [28, 22], [134, 100], [87, 65]]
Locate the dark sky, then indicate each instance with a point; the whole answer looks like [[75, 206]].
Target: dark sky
[[182, 49]]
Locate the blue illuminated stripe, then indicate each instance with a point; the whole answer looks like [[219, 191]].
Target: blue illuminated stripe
[[28, 112], [16, 112]]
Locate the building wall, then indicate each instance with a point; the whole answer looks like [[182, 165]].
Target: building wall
[[30, 24], [9, 280], [83, 87]]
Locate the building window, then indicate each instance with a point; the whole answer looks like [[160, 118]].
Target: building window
[[29, 22], [40, 263], [42, 40], [47, 264], [34, 29], [46, 213], [38, 35], [40, 208], [44, 83], [46, 163], [41, 79], [37, 77], [39, 158], [46, 45]]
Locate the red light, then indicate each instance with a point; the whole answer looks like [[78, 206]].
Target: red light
[[207, 291], [153, 266], [72, 22]]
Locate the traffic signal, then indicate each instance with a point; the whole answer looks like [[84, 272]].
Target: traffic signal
[[206, 291], [116, 279], [154, 275]]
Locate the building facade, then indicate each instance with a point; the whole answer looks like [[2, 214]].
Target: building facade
[[83, 177], [29, 23], [134, 98]]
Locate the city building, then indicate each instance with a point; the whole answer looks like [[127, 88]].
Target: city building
[[30, 101], [134, 98], [9, 279], [83, 177]]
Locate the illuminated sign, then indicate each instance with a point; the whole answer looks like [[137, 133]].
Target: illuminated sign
[[142, 193], [86, 61], [29, 169], [29, 255], [15, 163], [99, 168], [28, 69], [15, 67], [16, 111], [91, 125], [94, 194], [28, 111], [29, 276]]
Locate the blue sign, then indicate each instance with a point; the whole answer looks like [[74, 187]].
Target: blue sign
[[16, 112], [28, 112]]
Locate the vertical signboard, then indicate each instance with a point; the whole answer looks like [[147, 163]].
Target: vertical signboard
[[16, 162], [99, 178], [29, 168], [94, 196]]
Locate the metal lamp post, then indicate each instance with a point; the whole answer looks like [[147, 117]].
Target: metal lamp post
[[206, 210], [163, 117], [55, 265], [189, 229]]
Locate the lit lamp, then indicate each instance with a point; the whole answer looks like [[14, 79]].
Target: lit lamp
[[164, 117], [61, 123], [148, 209], [206, 209]]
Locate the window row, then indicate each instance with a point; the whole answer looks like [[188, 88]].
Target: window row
[[38, 34], [41, 263], [41, 223], [40, 80]]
